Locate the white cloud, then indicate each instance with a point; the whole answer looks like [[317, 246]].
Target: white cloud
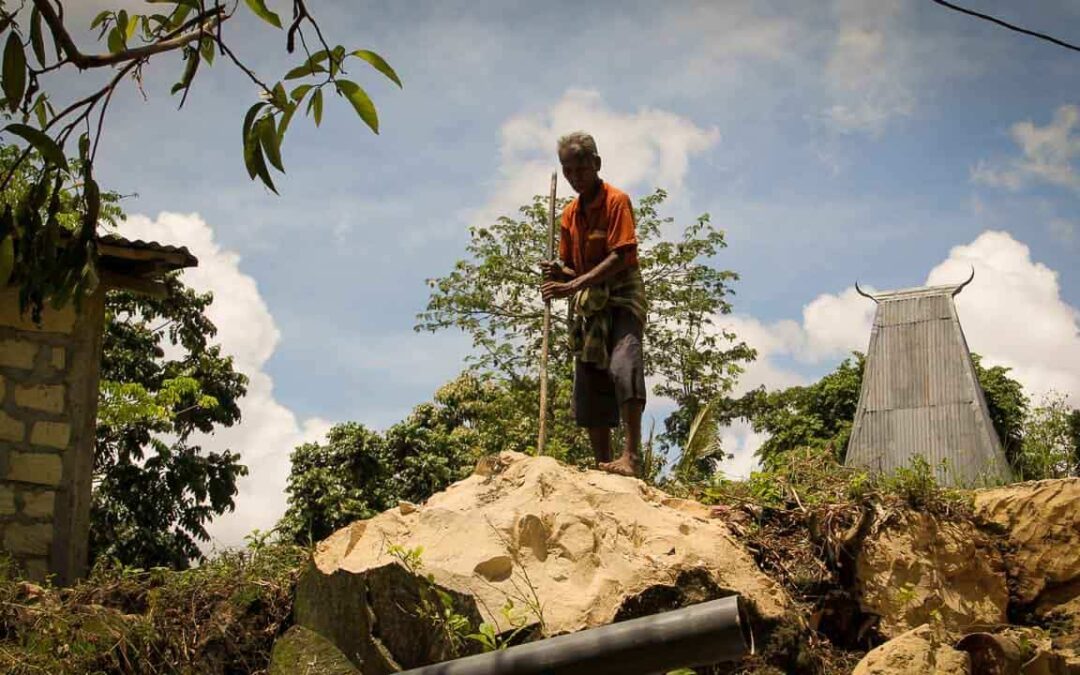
[[641, 150], [867, 74], [1048, 154], [267, 431], [1012, 314]]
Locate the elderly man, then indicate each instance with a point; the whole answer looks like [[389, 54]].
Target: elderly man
[[598, 269]]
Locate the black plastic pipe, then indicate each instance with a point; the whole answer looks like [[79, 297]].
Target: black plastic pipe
[[711, 632]]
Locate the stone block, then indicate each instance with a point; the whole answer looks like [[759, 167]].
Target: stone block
[[32, 467], [11, 429], [59, 358], [7, 500], [39, 505], [44, 397], [28, 539], [52, 320], [51, 434], [18, 353]]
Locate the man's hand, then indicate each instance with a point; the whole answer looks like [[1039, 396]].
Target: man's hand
[[553, 270], [552, 290]]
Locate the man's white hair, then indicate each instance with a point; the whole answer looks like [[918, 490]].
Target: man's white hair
[[578, 143]]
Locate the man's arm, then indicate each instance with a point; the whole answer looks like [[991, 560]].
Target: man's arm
[[614, 263]]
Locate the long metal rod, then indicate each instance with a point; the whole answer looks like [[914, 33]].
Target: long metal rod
[[698, 635], [541, 440]]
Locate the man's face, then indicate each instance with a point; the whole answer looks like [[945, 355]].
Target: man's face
[[580, 170]]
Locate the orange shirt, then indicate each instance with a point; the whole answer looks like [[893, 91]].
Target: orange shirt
[[588, 235]]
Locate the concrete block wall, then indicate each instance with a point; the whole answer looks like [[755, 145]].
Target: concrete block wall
[[48, 407]]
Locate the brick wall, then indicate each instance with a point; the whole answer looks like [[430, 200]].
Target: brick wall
[[48, 404]]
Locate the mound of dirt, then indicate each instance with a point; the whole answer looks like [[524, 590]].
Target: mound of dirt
[[916, 568], [917, 652], [1041, 522], [570, 549]]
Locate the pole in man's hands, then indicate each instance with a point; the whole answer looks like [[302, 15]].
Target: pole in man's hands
[[542, 440]]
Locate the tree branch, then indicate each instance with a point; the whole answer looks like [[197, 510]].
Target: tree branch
[[84, 61]]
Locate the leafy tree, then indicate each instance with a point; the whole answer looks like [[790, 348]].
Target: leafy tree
[[818, 415], [334, 483], [1050, 444], [358, 473], [162, 380], [821, 414], [1008, 406], [493, 296], [192, 29], [153, 491]]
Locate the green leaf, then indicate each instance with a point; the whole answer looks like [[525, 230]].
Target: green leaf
[[314, 106], [132, 26], [360, 101], [278, 96], [207, 51], [84, 146], [40, 109], [116, 41], [249, 119], [122, 23], [41, 142], [191, 54], [304, 71], [14, 71], [100, 18], [259, 7], [190, 4], [269, 139], [7, 259], [37, 40], [300, 92], [378, 63], [180, 14], [283, 124]]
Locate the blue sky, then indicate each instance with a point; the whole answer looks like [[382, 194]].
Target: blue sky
[[890, 142]]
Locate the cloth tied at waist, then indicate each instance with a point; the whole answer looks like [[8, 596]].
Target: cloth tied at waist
[[592, 314]]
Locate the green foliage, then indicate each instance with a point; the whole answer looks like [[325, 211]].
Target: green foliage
[[52, 264], [819, 415], [154, 491], [334, 483], [221, 617], [1050, 446], [357, 473], [1007, 403], [493, 296]]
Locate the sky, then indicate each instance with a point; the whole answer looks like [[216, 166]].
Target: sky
[[893, 143]]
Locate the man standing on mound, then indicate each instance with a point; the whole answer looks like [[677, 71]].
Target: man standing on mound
[[598, 270]]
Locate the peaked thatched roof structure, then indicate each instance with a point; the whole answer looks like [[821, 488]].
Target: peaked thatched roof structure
[[920, 395]]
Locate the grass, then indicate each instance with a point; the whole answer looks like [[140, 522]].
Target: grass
[[219, 618]]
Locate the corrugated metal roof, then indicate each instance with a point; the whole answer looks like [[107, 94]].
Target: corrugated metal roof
[[920, 395], [175, 257]]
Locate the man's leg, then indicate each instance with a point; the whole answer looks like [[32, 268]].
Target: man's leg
[[629, 463], [600, 439], [627, 374]]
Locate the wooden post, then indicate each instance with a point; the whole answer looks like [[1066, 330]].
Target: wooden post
[[541, 441]]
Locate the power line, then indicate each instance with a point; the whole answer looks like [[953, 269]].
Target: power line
[[1018, 29]]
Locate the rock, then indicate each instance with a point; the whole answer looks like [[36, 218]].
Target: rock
[[917, 569], [301, 650], [916, 652], [583, 547], [1041, 521]]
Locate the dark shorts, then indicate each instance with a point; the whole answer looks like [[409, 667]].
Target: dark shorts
[[598, 394]]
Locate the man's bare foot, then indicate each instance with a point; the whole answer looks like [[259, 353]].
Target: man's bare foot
[[622, 466]]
